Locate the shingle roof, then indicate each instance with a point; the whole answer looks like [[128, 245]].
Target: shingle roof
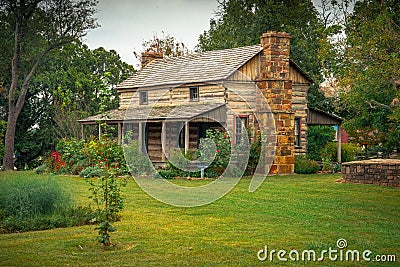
[[201, 67], [156, 112]]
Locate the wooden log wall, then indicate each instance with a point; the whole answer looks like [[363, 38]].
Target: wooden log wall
[[299, 106]]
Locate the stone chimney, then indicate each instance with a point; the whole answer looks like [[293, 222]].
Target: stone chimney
[[149, 56], [276, 86]]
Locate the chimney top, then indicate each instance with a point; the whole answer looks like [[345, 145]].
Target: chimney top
[[150, 56]]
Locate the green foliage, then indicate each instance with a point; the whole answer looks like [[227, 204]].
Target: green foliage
[[254, 155], [242, 22], [168, 173], [91, 172], [106, 194], [220, 147], [23, 198], [72, 152], [318, 136], [81, 154], [37, 29], [303, 165], [137, 162], [369, 72], [37, 204], [2, 133], [349, 151], [65, 218], [41, 169]]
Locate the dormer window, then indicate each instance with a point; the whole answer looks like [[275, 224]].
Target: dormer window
[[194, 93], [143, 100]]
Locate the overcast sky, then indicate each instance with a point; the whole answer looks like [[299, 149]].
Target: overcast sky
[[125, 24]]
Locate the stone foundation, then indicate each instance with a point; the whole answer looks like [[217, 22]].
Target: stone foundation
[[376, 171]]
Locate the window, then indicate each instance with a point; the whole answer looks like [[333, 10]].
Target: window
[[241, 122], [143, 100], [194, 93], [297, 131]]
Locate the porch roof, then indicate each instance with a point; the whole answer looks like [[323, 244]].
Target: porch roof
[[187, 111]]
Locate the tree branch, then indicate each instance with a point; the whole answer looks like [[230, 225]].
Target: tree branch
[[24, 89], [374, 104]]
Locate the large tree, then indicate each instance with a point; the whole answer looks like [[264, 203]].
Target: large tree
[[37, 27], [369, 74], [72, 83], [242, 22], [80, 82]]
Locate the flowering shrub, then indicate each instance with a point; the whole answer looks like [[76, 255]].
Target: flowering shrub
[[57, 161], [220, 147], [73, 156]]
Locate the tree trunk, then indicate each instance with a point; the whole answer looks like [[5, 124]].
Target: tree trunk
[[8, 160]]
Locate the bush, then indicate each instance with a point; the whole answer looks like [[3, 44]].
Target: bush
[[137, 163], [37, 204], [349, 151], [302, 165], [90, 172], [41, 169], [73, 156], [254, 155], [25, 198], [222, 153], [317, 137], [167, 174]]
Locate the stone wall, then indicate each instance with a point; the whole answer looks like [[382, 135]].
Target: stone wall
[[377, 171]]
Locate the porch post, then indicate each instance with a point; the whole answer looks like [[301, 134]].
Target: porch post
[[119, 133], [82, 131], [163, 140], [186, 137], [99, 131], [141, 136], [339, 146]]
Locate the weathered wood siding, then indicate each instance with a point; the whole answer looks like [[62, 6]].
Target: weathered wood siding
[[300, 86], [249, 71], [299, 106], [155, 95], [296, 76]]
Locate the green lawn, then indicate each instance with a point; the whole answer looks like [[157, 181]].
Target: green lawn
[[288, 212]]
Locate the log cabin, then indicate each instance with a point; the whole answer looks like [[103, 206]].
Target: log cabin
[[171, 102]]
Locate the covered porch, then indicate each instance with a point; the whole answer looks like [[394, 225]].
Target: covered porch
[[160, 128]]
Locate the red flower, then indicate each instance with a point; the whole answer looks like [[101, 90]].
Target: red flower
[[218, 150]]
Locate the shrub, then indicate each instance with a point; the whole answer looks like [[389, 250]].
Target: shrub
[[25, 198], [37, 204], [167, 174], [221, 150], [302, 165], [317, 137], [90, 172], [349, 151], [41, 169], [72, 154], [254, 155], [137, 163], [67, 218]]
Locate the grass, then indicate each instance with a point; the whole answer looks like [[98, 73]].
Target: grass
[[288, 212]]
